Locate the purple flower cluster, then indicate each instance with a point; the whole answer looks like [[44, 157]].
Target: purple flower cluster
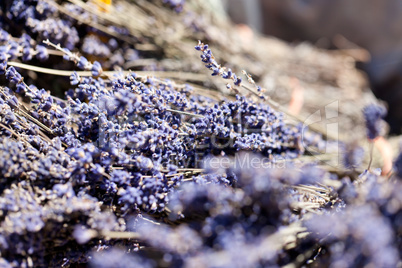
[[24, 47], [40, 18], [129, 170]]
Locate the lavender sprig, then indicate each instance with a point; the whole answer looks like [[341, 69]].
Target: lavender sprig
[[208, 58]]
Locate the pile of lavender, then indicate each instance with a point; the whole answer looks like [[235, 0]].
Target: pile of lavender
[[106, 167]]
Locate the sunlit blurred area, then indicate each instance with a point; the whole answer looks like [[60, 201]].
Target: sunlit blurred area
[[368, 31]]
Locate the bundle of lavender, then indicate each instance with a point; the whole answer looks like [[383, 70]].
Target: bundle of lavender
[[104, 166]]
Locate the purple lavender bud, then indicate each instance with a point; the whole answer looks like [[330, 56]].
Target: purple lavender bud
[[75, 78], [13, 101], [3, 62], [67, 54], [215, 71], [113, 43], [20, 88], [225, 75], [373, 114], [4, 36], [41, 53], [82, 63], [229, 74], [46, 106], [206, 58], [26, 53], [237, 81], [13, 76], [13, 50], [25, 39], [96, 69]]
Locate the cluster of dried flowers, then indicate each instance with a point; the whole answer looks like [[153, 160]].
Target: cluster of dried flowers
[[129, 170]]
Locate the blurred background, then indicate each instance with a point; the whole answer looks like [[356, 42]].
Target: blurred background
[[370, 31]]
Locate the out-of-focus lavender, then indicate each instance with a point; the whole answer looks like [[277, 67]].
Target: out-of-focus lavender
[[373, 114]]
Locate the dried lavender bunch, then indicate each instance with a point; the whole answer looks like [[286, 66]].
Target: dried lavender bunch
[[156, 114], [134, 170]]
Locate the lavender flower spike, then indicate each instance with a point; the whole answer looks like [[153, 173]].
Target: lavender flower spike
[[373, 114]]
